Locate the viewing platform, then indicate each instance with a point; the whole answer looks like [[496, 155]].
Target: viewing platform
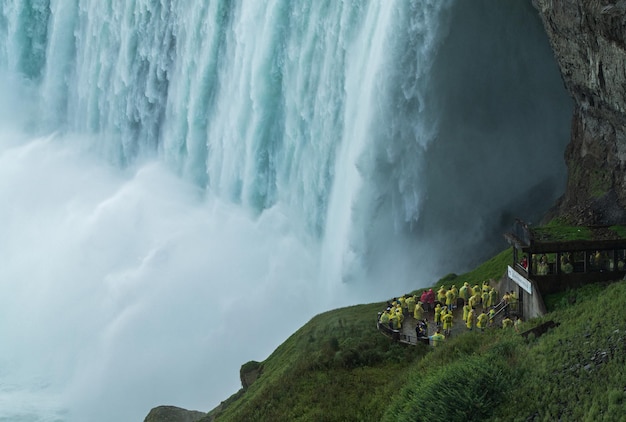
[[552, 259], [407, 334], [546, 260]]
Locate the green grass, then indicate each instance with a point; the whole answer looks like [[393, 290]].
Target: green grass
[[491, 269], [464, 381], [338, 367], [577, 371], [325, 369], [620, 231], [561, 233]]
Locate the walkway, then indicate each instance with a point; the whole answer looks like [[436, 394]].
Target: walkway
[[407, 332]]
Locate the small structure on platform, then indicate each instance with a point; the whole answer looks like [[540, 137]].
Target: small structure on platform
[[551, 259]]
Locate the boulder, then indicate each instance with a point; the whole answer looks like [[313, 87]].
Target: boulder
[[173, 414]]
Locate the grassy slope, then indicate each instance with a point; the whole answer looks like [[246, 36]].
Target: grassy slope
[[338, 367], [325, 369], [578, 371]]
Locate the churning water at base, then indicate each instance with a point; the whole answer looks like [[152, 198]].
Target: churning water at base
[[181, 187], [140, 292]]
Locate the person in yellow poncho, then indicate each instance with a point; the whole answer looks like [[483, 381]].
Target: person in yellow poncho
[[418, 312], [441, 295], [482, 321], [513, 300], [400, 315], [493, 297], [469, 322], [384, 318], [447, 323], [455, 302], [485, 300], [474, 300], [464, 293], [470, 291], [437, 338], [485, 286], [505, 299], [410, 304], [507, 322], [438, 315], [466, 309], [402, 301], [492, 315], [450, 298], [394, 318]]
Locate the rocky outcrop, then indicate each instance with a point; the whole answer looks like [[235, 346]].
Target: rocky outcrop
[[173, 414], [249, 373], [589, 41]]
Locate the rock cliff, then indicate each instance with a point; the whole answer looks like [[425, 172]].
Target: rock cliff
[[173, 414], [589, 42]]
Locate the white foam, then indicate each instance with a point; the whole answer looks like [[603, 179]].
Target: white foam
[[126, 290]]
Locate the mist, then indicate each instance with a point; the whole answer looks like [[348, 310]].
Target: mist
[[124, 290], [142, 291]]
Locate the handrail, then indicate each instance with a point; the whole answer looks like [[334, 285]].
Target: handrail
[[504, 304], [394, 334], [398, 335]]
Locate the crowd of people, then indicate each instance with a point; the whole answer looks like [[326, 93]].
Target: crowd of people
[[478, 305], [545, 264]]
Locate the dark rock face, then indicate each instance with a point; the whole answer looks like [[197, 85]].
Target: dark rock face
[[173, 414], [589, 41], [249, 373]]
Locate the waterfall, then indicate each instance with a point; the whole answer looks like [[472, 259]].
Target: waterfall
[[372, 137], [172, 174]]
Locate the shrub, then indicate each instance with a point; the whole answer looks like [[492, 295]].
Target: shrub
[[467, 389]]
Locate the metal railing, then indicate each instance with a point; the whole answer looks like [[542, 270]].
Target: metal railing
[[398, 335]]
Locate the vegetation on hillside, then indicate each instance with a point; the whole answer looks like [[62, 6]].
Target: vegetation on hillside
[[577, 372], [324, 371], [558, 230], [338, 367]]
